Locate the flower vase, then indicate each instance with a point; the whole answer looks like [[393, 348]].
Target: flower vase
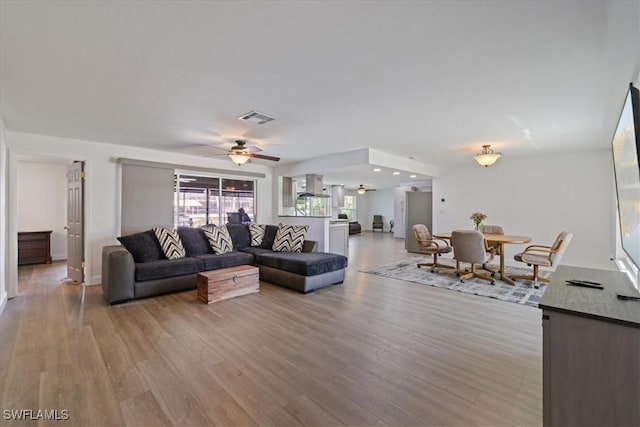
[[478, 226]]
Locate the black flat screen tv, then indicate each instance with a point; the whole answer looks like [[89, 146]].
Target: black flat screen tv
[[626, 164]]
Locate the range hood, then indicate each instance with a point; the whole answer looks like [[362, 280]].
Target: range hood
[[314, 187]]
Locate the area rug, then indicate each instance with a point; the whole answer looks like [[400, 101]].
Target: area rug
[[523, 293]]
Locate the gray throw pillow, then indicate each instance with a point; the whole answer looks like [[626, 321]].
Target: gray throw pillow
[[144, 246]]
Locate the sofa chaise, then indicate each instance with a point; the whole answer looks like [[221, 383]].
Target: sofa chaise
[[140, 269]]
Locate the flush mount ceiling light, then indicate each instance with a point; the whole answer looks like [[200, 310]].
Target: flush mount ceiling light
[[412, 176], [486, 157], [396, 173], [377, 170], [361, 189]]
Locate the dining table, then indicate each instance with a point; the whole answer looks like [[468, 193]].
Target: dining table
[[499, 240]]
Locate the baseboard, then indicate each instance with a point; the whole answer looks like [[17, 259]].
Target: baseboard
[[59, 257], [3, 301]]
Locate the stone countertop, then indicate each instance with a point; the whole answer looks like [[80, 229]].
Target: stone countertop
[[302, 216]]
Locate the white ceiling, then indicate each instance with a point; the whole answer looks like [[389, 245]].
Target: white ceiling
[[431, 80]]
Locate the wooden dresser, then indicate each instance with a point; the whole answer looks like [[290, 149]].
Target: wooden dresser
[[34, 247], [591, 351]]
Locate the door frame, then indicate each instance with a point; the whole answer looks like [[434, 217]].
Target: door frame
[[13, 157]]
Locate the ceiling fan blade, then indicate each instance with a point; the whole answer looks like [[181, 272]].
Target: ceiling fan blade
[[216, 147], [262, 156]]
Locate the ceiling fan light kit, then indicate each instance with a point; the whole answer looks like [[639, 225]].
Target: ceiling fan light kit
[[361, 189], [240, 154], [239, 158], [487, 156]]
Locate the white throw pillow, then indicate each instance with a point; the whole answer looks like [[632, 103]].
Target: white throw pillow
[[170, 243], [219, 238], [257, 233], [289, 238]]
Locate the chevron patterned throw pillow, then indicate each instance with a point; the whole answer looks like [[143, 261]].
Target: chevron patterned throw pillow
[[170, 243], [219, 238], [257, 233], [289, 238]]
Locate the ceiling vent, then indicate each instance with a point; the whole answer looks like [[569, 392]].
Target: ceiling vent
[[257, 117]]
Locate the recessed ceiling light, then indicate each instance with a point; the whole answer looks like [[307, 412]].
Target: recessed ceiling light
[[412, 176], [377, 170], [396, 173]]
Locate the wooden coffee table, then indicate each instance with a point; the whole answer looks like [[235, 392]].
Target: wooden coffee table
[[226, 283]]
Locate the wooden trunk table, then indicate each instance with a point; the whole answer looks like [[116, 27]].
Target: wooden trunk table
[[226, 283]]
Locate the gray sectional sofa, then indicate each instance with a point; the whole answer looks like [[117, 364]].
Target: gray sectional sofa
[[143, 271]]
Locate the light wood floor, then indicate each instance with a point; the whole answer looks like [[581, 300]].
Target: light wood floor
[[373, 351]]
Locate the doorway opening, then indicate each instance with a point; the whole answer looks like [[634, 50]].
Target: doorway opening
[[50, 218]]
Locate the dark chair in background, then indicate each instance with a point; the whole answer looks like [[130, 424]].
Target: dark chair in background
[[354, 226], [378, 224], [233, 217]]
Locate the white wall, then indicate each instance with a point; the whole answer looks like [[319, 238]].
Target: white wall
[[4, 178], [362, 208], [536, 197], [378, 202], [318, 229], [42, 202], [400, 211], [102, 188]]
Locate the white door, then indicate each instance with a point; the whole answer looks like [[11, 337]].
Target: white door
[[75, 222]]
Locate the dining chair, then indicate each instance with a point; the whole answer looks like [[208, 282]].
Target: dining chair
[[469, 246], [233, 217], [492, 229], [378, 223], [431, 246], [543, 256]]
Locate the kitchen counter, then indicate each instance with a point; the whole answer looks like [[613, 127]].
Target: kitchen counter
[[302, 216]]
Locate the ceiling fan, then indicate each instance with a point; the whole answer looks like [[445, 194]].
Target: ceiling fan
[[362, 190], [241, 153]]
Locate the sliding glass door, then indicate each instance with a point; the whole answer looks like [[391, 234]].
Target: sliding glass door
[[237, 194], [205, 200]]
